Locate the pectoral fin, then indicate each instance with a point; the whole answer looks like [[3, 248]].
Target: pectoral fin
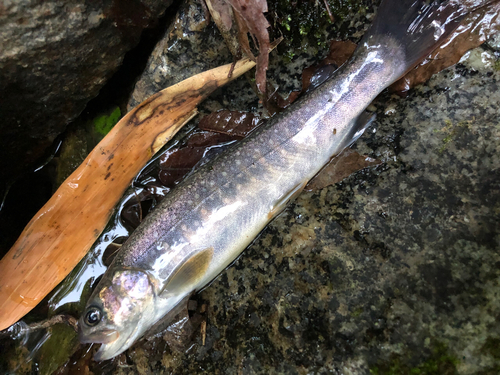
[[190, 272], [285, 199]]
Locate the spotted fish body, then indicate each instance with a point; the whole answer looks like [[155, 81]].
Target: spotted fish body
[[213, 215]]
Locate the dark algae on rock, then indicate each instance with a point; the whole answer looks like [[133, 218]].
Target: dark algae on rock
[[439, 362]]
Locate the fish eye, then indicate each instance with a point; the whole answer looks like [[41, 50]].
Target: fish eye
[[93, 316]]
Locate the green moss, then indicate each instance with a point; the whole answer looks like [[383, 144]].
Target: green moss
[[451, 131], [286, 23], [305, 24], [104, 123], [54, 352], [496, 65], [440, 362]]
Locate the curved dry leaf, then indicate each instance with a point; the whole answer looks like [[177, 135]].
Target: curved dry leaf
[[250, 18], [340, 167], [61, 233], [222, 14]]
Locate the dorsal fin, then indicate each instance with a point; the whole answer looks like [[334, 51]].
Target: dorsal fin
[[190, 271]]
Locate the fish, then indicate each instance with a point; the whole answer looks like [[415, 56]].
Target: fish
[[203, 224]]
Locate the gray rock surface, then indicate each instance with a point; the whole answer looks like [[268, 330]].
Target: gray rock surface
[[396, 269], [190, 46], [54, 57]]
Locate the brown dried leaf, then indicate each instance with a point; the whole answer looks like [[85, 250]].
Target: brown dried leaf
[[475, 29], [340, 167], [234, 123], [218, 128], [223, 16], [250, 18], [223, 11], [340, 52], [312, 76], [175, 165]]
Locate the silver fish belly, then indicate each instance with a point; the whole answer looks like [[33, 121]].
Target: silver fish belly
[[214, 214]]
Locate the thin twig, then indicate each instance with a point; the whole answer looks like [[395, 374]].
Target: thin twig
[[328, 11], [203, 332], [231, 70], [140, 206], [23, 328]]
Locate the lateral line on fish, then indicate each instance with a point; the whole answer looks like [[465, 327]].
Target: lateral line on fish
[[219, 188]]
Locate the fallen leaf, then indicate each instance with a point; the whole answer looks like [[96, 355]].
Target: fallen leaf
[[340, 167], [250, 19], [176, 164], [61, 233], [234, 123], [223, 16]]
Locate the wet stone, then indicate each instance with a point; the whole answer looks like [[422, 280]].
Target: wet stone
[[394, 269], [182, 52], [55, 56]]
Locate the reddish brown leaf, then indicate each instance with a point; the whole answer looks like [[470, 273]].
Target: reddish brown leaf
[[250, 17], [340, 167], [340, 52], [234, 123], [473, 31], [175, 165], [223, 16], [223, 12]]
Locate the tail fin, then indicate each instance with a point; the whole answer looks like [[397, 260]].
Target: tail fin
[[418, 26]]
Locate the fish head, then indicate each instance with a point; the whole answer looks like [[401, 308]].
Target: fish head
[[118, 312]]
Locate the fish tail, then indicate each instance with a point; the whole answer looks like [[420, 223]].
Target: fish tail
[[416, 26]]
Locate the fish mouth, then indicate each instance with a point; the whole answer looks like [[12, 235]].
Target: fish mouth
[[105, 336], [106, 351], [112, 349]]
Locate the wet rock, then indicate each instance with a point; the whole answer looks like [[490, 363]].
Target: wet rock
[[61, 343], [394, 270], [190, 46], [54, 57]]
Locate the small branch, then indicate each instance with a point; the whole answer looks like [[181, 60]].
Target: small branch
[[328, 11]]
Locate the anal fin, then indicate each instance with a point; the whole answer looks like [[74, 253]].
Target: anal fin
[[364, 120], [285, 199]]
